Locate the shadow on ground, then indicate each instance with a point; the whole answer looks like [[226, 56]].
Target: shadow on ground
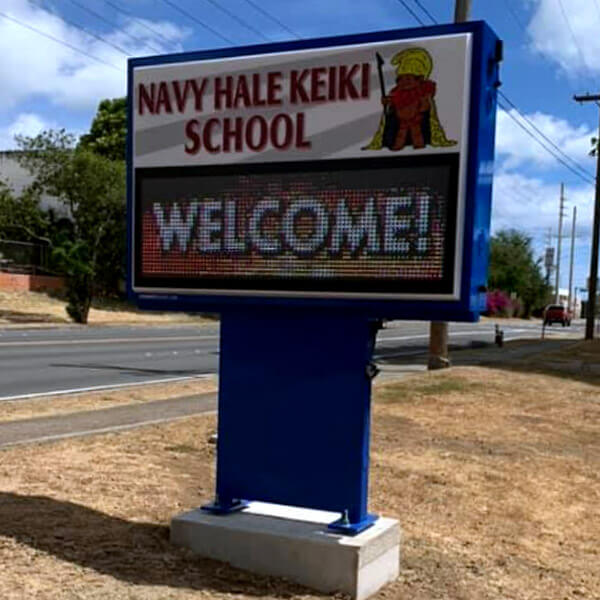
[[572, 359], [126, 370], [136, 553], [13, 316]]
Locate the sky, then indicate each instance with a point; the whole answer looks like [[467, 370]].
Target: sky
[[551, 52]]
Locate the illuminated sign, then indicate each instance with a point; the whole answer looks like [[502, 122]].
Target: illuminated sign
[[345, 226], [302, 171]]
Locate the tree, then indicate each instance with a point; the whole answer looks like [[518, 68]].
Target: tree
[[21, 218], [92, 187], [513, 269], [108, 133]]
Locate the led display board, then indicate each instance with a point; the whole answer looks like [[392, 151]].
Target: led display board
[[348, 170]]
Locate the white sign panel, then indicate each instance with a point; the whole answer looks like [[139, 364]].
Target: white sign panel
[[305, 105]]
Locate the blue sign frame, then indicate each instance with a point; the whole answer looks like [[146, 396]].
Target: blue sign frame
[[295, 373], [486, 54]]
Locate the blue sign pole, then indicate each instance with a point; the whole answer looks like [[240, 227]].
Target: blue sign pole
[[294, 412]]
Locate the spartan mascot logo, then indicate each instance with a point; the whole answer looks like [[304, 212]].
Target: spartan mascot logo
[[409, 110]]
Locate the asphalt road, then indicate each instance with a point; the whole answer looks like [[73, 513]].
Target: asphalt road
[[42, 361]]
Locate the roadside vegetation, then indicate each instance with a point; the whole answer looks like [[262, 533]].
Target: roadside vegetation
[[516, 283], [87, 176], [37, 309]]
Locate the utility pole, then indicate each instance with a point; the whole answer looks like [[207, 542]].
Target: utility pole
[[572, 256], [462, 9], [549, 256], [438, 330], [561, 214], [591, 312]]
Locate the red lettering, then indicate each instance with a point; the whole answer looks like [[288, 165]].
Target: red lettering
[[274, 88], [301, 141], [257, 99], [346, 85], [163, 99], [317, 83], [297, 91], [198, 92], [288, 132], [146, 99], [332, 84], [366, 80], [234, 132], [263, 133], [180, 97], [242, 94], [223, 91], [207, 136], [191, 132]]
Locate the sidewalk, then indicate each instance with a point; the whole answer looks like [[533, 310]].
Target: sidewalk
[[118, 418]]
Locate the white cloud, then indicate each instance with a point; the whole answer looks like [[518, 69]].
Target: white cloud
[[34, 66], [153, 31], [551, 36], [28, 124], [515, 148], [531, 204]]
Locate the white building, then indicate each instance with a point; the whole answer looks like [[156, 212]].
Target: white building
[[18, 178]]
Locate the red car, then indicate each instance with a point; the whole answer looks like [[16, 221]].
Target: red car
[[557, 313]]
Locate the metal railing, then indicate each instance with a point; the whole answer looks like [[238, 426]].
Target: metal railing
[[24, 257]]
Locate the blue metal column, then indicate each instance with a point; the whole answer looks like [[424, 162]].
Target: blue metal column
[[294, 411]]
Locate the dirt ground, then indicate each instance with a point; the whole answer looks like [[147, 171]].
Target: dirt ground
[[40, 309], [44, 406], [494, 475]]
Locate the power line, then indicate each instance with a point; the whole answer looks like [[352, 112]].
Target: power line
[[420, 5], [574, 38], [86, 31], [273, 18], [521, 194], [549, 150], [534, 126], [412, 12], [59, 41], [516, 17], [140, 22], [239, 20], [199, 22], [576, 169], [523, 27], [111, 24]]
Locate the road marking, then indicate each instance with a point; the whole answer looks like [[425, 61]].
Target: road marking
[[184, 338], [426, 335], [109, 386], [113, 429]]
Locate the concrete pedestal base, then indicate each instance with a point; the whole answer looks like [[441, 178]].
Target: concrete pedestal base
[[295, 544]]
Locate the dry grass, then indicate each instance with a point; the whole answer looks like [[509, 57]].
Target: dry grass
[[494, 476], [39, 308], [46, 406]]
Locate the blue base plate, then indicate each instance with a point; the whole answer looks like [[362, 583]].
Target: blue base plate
[[225, 509], [348, 528]]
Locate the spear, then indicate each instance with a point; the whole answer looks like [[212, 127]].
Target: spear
[[380, 63]]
